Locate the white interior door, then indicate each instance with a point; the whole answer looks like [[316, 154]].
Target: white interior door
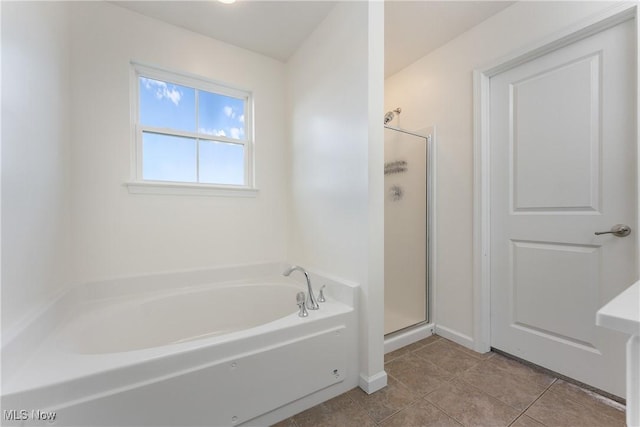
[[563, 166]]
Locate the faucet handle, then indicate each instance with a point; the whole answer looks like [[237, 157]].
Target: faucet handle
[[301, 305], [321, 297]]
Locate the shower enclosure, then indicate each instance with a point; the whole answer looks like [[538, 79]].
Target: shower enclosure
[[406, 227]]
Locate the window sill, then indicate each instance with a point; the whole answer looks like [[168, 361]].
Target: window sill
[[182, 189]]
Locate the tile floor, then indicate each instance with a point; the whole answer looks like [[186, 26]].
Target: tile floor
[[436, 382]]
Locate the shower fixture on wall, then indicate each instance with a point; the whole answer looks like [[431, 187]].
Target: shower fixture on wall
[[390, 115]]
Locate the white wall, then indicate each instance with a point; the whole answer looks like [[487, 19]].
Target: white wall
[[35, 156], [328, 101], [438, 89], [117, 233], [74, 206]]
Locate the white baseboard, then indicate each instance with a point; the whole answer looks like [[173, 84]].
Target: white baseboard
[[373, 383], [457, 337], [406, 337]]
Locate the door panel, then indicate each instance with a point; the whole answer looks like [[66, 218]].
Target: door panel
[[563, 166], [533, 285], [552, 146]]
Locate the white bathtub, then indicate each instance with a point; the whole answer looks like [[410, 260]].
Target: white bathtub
[[218, 352], [156, 320]]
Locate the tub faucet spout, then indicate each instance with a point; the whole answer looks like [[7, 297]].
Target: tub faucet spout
[[312, 304]]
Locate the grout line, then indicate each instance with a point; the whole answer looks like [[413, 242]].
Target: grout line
[[451, 415], [406, 386], [433, 341], [426, 344], [533, 403], [459, 374], [346, 394], [504, 403], [479, 390], [443, 411], [559, 376], [367, 412], [583, 405], [416, 396], [389, 416], [423, 397]]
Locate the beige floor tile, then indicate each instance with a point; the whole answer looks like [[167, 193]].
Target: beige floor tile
[[472, 407], [473, 353], [386, 402], [340, 411], [411, 347], [396, 353], [507, 382], [524, 372], [420, 414], [525, 421], [557, 410], [286, 423], [490, 390], [588, 398], [418, 374], [446, 356], [426, 341]]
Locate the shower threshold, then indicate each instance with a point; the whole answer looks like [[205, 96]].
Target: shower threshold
[[408, 335]]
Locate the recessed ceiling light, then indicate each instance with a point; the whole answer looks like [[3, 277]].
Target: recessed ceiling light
[[227, 1]]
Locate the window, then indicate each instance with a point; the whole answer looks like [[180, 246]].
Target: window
[[190, 132]]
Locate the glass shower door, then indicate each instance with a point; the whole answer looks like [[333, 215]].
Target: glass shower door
[[405, 230]]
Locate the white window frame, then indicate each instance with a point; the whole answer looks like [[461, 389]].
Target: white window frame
[[138, 185]]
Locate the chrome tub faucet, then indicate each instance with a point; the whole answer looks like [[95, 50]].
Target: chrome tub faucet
[[312, 304], [300, 300]]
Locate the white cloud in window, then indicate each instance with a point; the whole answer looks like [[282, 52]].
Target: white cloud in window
[[241, 118], [235, 133], [162, 90], [214, 132], [228, 111]]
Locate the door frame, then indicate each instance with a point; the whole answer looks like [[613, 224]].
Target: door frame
[[604, 20]]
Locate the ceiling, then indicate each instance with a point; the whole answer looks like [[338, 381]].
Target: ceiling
[[277, 28], [415, 28], [272, 28]]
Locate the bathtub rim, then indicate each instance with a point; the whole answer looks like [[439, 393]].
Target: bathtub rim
[[84, 308], [23, 338], [68, 390], [50, 316]]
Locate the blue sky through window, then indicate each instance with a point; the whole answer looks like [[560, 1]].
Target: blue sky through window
[[168, 158], [221, 163], [221, 115], [166, 105]]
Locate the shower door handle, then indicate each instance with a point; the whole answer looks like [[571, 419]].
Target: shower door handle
[[619, 230]]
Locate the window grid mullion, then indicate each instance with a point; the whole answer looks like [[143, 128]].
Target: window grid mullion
[[192, 135], [188, 81], [197, 132], [248, 149]]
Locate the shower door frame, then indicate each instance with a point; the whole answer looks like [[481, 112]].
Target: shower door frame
[[428, 134]]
